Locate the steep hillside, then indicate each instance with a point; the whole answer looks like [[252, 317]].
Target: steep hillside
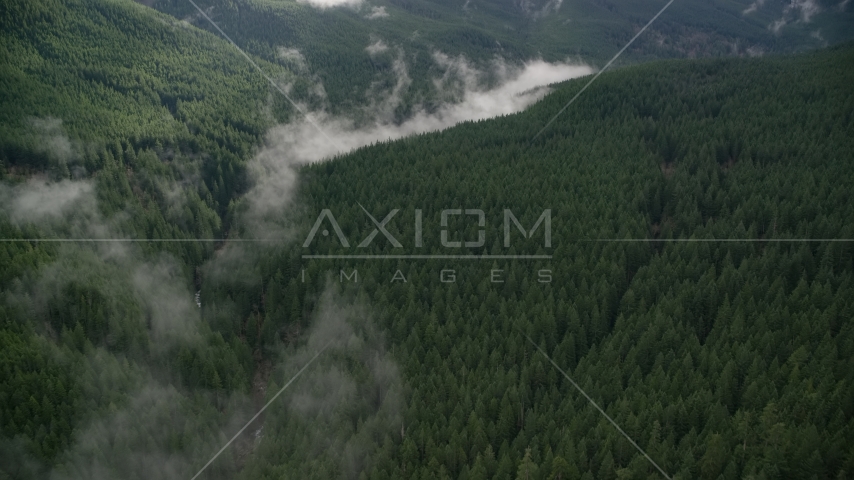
[[348, 46], [116, 121], [121, 79], [721, 341], [135, 342]]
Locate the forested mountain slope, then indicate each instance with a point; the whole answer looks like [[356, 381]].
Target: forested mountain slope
[[123, 81], [350, 45], [729, 358], [116, 121]]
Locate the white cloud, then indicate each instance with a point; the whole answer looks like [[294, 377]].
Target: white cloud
[[38, 201], [69, 209], [292, 55], [377, 12], [324, 4], [552, 6], [756, 5], [797, 10], [805, 9], [51, 139], [377, 47], [777, 25], [808, 8], [384, 102], [167, 302], [755, 51], [288, 146]]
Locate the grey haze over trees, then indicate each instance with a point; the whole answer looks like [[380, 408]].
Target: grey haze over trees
[[719, 359]]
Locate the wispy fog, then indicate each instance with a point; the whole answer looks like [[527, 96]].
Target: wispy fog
[[322, 4], [756, 5], [377, 12], [146, 309], [461, 86], [37, 201], [795, 11], [317, 405], [149, 305]]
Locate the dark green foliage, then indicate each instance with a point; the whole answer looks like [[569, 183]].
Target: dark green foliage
[[38, 396], [719, 358], [332, 41], [145, 129]]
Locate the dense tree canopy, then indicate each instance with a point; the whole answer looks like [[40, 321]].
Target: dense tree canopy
[[719, 357], [676, 289]]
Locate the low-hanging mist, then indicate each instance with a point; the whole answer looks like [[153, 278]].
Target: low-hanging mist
[[322, 136]]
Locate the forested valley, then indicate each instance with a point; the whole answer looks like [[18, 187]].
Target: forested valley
[[159, 284], [331, 43]]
